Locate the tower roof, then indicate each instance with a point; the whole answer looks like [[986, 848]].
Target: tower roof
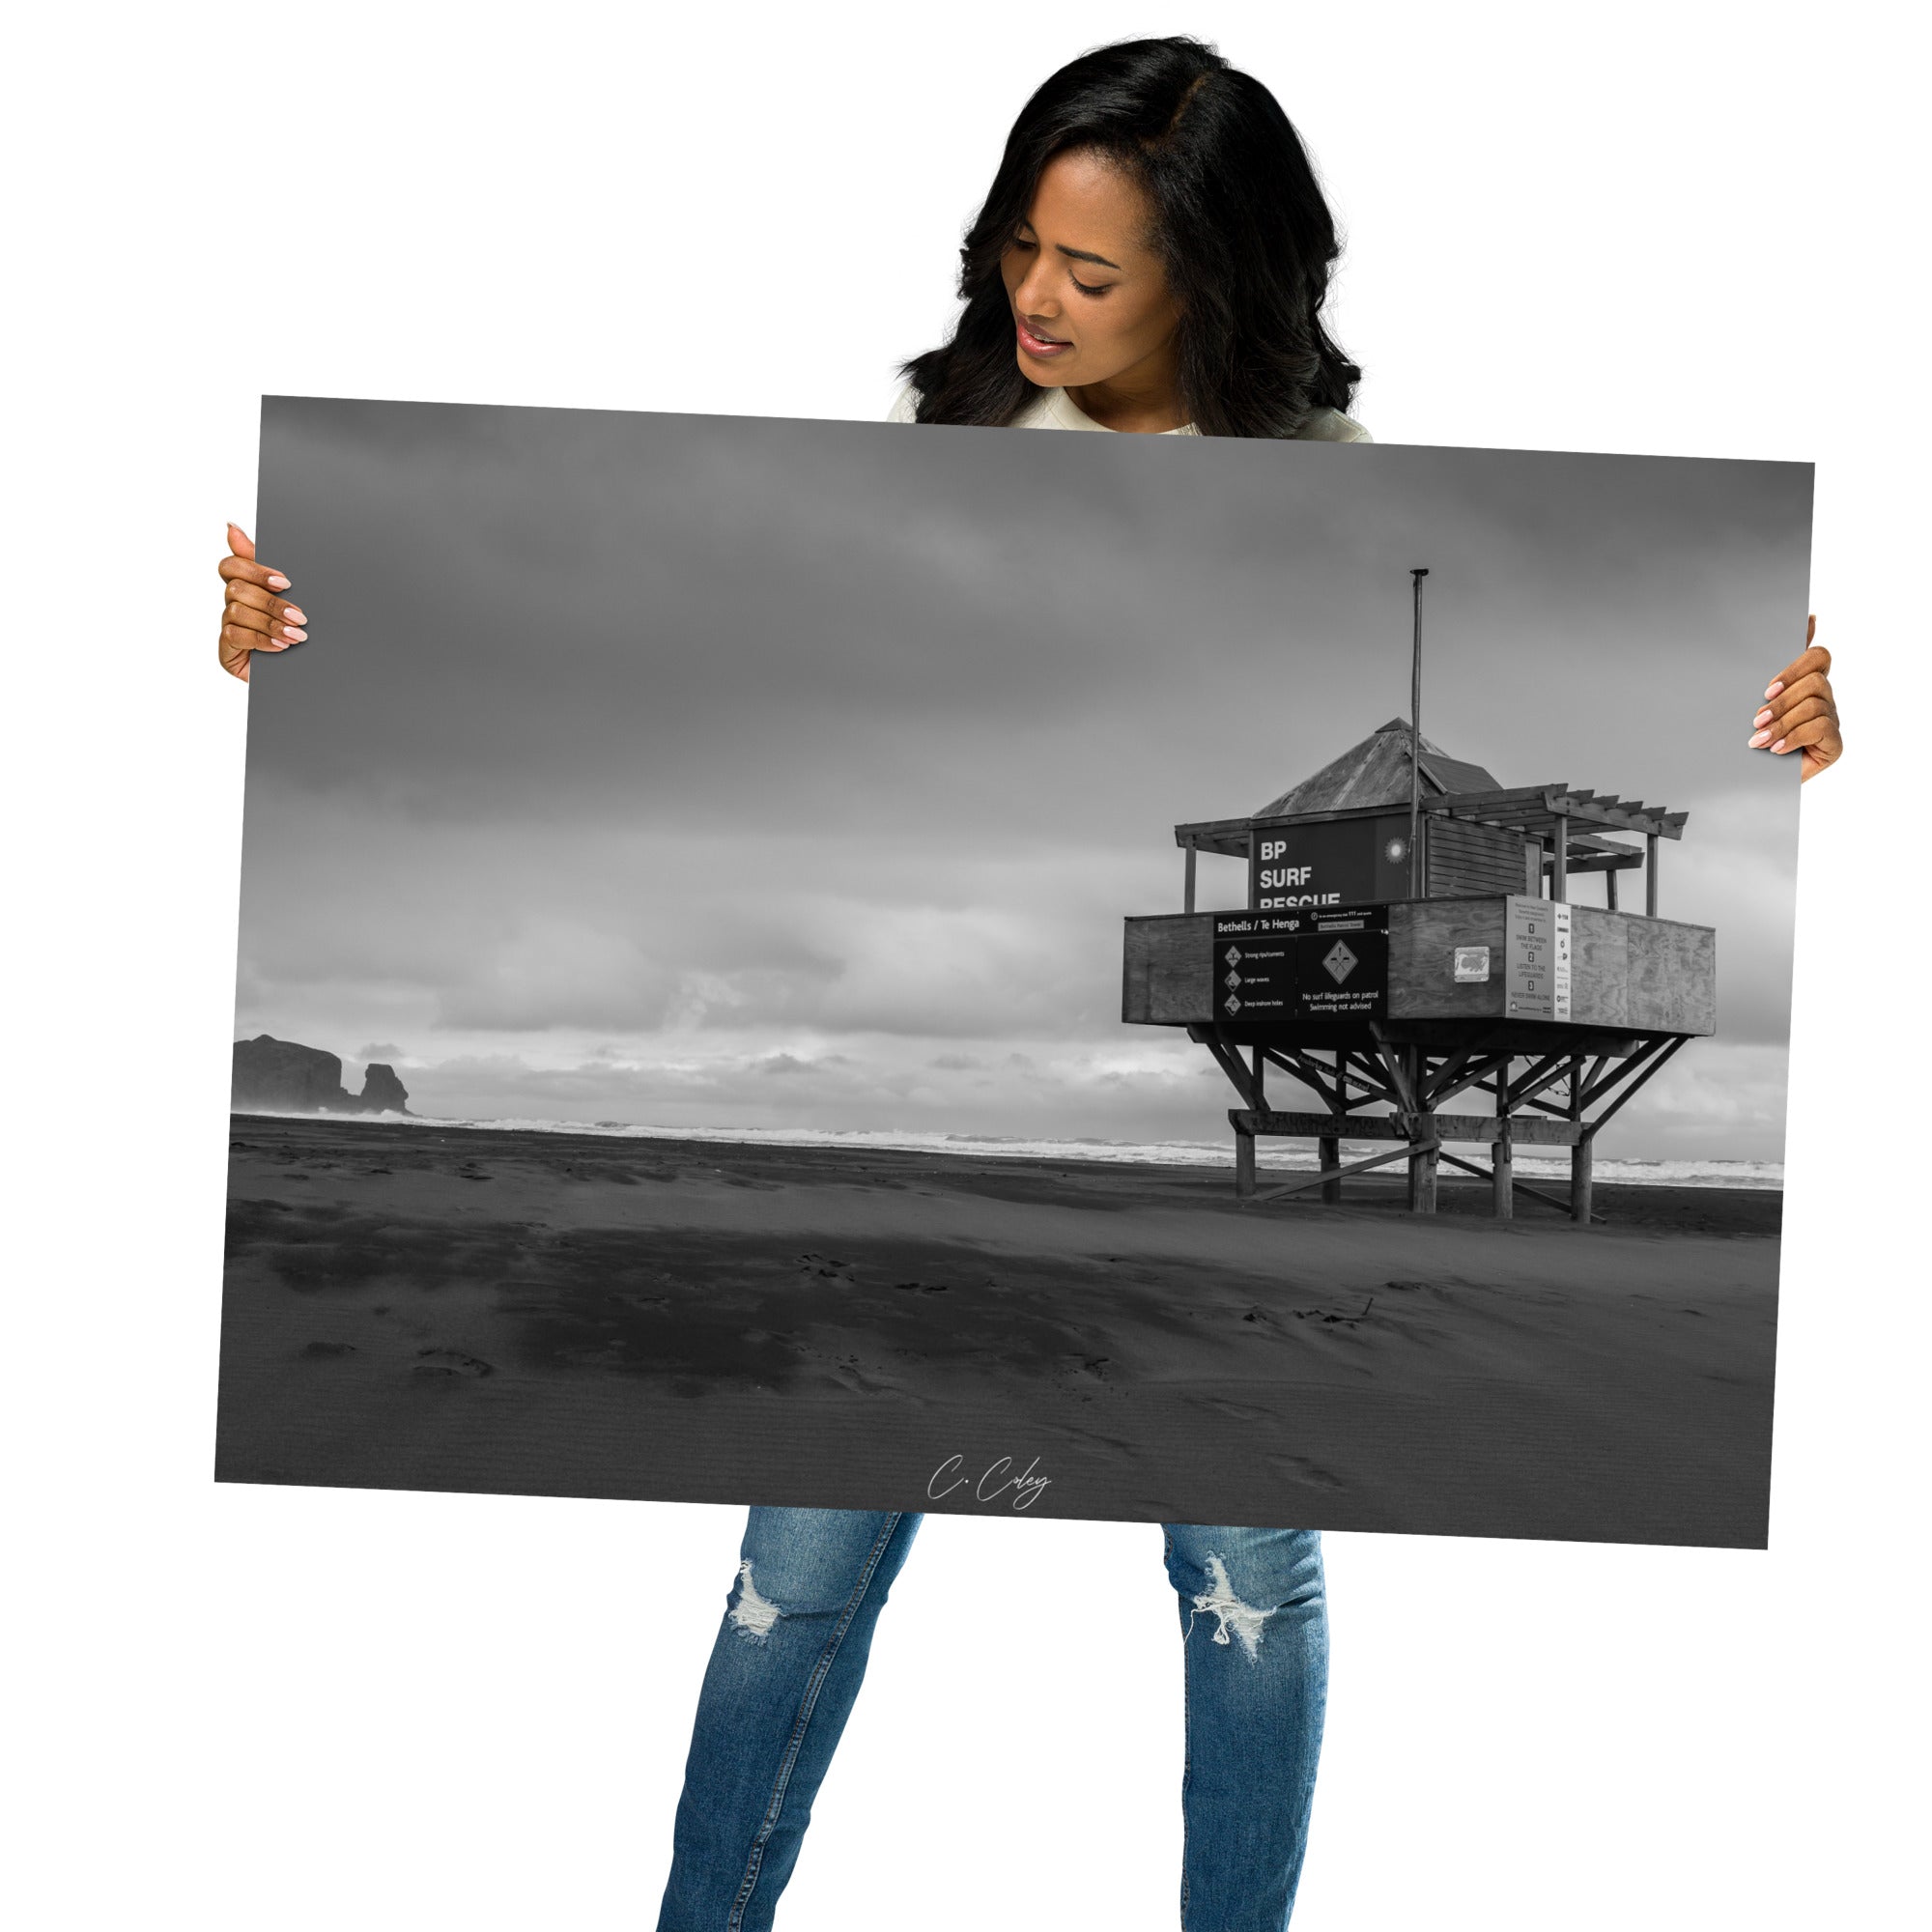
[[1376, 772]]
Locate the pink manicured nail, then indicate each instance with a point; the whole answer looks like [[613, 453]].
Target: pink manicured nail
[[1762, 738], [1771, 690], [1762, 717], [277, 581], [296, 616], [1780, 746], [294, 635]]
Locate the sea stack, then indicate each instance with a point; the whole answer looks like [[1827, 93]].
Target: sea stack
[[381, 1091], [280, 1076]]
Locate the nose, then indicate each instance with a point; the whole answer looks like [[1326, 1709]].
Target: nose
[[1034, 297]]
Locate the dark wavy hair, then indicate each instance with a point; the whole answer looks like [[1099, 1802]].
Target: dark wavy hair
[[1243, 231]]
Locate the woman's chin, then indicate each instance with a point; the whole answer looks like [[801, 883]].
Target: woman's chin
[[1040, 376]]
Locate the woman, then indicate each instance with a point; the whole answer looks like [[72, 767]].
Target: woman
[[1152, 258]]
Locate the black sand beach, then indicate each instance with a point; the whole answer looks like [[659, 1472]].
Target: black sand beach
[[414, 1307]]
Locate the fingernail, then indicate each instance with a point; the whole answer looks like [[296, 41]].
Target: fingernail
[[294, 635], [1780, 746], [238, 529], [1762, 738], [1762, 717], [296, 616], [1771, 690], [276, 582]]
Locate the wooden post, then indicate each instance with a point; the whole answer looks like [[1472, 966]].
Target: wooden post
[[1244, 1164], [1330, 1148], [1650, 874], [1579, 1184], [1609, 891], [1559, 869], [1187, 896], [1421, 1168], [1422, 1128], [1579, 1154], [1502, 1179]]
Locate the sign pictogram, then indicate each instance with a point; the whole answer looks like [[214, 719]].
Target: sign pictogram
[[1339, 961]]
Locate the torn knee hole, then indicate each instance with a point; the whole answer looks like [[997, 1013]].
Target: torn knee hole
[[753, 1614], [1240, 1620]]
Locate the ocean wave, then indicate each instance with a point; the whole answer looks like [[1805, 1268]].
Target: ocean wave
[[1271, 1157]]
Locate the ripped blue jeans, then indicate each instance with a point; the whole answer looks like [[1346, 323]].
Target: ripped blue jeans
[[791, 1650]]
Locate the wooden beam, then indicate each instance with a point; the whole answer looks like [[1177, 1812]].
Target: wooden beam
[[1519, 1186], [1326, 1175], [1650, 876], [1187, 890], [1594, 1089], [1432, 1086], [1609, 1113], [1398, 1073], [1299, 1066], [1476, 1077], [1483, 1128], [1225, 1057], [1551, 1067]]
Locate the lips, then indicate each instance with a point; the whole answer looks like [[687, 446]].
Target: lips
[[1034, 343]]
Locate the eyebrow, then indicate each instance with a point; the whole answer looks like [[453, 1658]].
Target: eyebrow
[[1081, 254]]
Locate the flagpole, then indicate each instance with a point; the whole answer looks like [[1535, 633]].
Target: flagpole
[[1415, 747]]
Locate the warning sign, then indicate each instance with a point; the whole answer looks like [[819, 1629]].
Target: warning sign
[[1317, 963], [1536, 983], [1255, 966]]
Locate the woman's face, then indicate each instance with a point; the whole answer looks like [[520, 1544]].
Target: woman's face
[[1090, 301]]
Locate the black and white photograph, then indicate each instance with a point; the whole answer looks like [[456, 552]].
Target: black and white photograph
[[861, 965]]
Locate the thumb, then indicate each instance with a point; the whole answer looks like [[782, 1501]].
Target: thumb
[[240, 543]]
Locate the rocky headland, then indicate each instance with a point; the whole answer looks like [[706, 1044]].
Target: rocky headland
[[280, 1076]]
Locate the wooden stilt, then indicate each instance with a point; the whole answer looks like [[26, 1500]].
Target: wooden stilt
[[1424, 1171], [1580, 1182], [1354, 1167], [1502, 1179], [1579, 1154], [1329, 1149], [1244, 1164]]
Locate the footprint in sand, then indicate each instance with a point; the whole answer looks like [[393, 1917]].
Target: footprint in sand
[[1334, 1317], [823, 1267], [441, 1363]]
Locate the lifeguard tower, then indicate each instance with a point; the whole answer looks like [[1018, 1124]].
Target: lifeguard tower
[[1409, 942]]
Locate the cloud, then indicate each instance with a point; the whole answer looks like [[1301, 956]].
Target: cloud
[[757, 770]]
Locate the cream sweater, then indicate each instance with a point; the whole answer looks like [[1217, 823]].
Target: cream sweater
[[1055, 409]]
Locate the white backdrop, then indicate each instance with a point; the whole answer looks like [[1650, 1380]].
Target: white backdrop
[[1685, 230]]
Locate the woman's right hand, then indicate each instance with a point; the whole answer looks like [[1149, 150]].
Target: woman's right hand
[[254, 615]]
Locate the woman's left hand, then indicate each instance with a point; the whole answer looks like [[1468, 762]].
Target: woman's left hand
[[1799, 713]]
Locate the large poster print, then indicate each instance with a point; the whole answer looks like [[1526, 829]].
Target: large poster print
[[899, 967]]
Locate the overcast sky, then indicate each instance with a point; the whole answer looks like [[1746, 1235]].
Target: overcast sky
[[738, 772]]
